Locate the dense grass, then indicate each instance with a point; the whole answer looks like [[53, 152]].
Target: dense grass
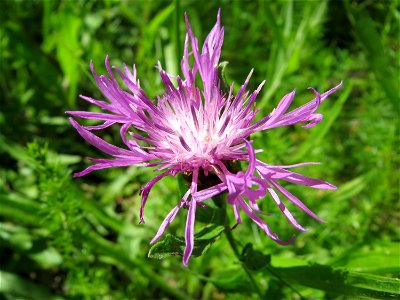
[[65, 238]]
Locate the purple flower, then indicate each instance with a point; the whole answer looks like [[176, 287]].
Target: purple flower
[[198, 131]]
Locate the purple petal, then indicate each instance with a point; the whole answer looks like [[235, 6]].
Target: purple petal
[[314, 120], [102, 104], [284, 210], [237, 214], [304, 113], [108, 163], [264, 165], [247, 209], [168, 220], [189, 231], [98, 142], [98, 116], [145, 190], [208, 193], [98, 127], [252, 159], [282, 107], [301, 179], [295, 200]]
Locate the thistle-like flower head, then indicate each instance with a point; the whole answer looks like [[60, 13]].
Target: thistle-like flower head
[[198, 130]]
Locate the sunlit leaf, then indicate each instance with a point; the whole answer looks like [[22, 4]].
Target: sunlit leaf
[[173, 245]]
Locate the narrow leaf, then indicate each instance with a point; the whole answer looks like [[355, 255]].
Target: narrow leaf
[[342, 282]]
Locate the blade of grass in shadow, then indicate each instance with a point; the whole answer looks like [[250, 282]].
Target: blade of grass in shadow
[[287, 43], [19, 208], [336, 281], [366, 32], [19, 288], [151, 30], [177, 36], [350, 189], [68, 52]]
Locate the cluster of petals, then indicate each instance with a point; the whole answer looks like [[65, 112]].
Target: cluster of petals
[[198, 131]]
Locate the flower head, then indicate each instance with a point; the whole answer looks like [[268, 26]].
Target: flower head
[[198, 130]]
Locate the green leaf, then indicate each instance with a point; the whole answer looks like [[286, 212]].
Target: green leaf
[[15, 237], [48, 258], [253, 259], [211, 214], [172, 245], [19, 208], [68, 51], [231, 280], [378, 257], [222, 76], [342, 282]]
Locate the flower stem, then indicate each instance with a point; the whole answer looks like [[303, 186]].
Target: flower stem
[[272, 271], [221, 203], [234, 247]]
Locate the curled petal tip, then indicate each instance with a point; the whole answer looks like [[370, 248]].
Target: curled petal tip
[[313, 89], [289, 241]]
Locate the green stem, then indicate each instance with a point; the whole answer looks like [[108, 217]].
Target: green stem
[[272, 271], [234, 247], [221, 203]]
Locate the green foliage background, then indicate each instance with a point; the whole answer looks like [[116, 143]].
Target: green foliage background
[[65, 238]]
